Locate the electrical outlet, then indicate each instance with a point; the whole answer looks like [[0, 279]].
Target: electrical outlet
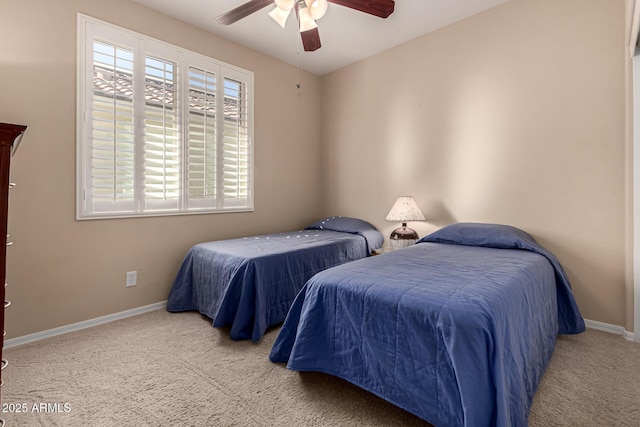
[[132, 278]]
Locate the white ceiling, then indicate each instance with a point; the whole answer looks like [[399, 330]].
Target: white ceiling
[[347, 36]]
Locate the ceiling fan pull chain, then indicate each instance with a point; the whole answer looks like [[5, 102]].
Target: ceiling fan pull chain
[[298, 85]]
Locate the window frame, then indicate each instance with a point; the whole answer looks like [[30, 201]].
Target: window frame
[[89, 30]]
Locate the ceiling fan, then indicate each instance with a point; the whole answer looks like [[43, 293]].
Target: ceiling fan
[[307, 12]]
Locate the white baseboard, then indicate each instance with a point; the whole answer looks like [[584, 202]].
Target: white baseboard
[[26, 339], [613, 329]]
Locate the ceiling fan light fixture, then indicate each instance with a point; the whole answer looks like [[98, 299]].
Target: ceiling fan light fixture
[[306, 21], [285, 5], [280, 16], [317, 8]]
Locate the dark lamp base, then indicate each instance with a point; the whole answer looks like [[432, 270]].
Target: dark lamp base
[[402, 237]]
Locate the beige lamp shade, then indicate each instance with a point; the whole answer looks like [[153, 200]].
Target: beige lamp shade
[[405, 209], [306, 21], [308, 12], [317, 8], [280, 16], [285, 4]]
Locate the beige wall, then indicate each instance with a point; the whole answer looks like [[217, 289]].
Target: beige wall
[[61, 271], [514, 116]]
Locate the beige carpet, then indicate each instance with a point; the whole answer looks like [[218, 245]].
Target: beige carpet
[[163, 369]]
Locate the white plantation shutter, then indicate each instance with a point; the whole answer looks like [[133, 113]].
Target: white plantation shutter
[[160, 130], [235, 143], [161, 136], [112, 155], [202, 137]]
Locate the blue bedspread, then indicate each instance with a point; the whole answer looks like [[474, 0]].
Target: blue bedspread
[[250, 283], [459, 335]]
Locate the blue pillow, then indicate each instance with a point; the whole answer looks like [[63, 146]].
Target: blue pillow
[[478, 234], [375, 240], [341, 223]]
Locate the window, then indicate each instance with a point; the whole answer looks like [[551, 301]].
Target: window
[[161, 130]]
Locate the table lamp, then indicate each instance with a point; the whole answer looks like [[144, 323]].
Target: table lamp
[[403, 210]]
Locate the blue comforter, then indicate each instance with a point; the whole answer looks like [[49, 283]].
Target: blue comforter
[[250, 283], [459, 335]]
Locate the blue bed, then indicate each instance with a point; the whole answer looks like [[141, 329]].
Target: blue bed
[[457, 329], [250, 283]]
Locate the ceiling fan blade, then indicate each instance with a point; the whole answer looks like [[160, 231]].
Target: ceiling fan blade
[[380, 8], [242, 11], [311, 40]]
